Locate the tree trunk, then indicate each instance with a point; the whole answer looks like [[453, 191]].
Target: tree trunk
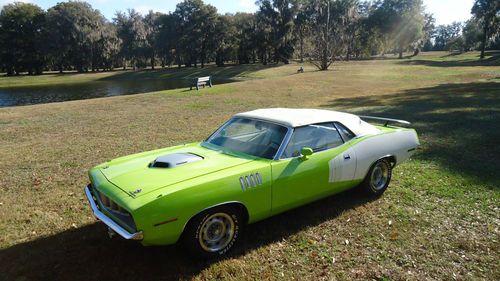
[[401, 53], [324, 60], [326, 48], [79, 68], [153, 62], [483, 43], [301, 48], [219, 58], [92, 65], [10, 71]]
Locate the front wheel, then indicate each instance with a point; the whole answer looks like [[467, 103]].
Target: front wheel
[[378, 178], [214, 232]]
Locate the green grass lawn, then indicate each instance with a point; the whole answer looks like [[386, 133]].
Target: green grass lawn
[[439, 219]]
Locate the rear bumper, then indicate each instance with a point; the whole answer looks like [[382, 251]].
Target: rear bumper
[[109, 222]]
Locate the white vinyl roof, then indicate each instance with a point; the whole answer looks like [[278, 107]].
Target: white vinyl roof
[[295, 117]]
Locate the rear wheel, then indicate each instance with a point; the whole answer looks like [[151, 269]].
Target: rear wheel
[[378, 178], [214, 232]]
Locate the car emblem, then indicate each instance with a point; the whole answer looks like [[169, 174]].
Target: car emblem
[[137, 191]]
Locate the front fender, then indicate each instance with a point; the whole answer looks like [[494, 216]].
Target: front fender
[[163, 218]]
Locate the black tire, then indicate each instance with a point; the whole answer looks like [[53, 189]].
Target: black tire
[[378, 178], [213, 223]]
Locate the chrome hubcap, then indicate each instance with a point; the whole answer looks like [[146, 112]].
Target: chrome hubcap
[[216, 232], [379, 176]]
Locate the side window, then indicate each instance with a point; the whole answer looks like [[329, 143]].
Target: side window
[[318, 137], [344, 132]]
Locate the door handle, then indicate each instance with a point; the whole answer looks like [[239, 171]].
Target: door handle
[[347, 156]]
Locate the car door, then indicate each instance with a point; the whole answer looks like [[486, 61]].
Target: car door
[[297, 181], [343, 167]]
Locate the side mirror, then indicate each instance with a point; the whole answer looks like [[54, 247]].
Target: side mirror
[[305, 151]]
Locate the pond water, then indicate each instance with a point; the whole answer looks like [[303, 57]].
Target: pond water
[[76, 91]]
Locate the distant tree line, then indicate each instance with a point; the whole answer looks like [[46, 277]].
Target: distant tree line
[[481, 32], [74, 36]]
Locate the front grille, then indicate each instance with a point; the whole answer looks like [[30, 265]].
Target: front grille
[[116, 210], [111, 205]]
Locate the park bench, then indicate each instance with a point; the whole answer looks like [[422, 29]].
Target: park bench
[[202, 81]]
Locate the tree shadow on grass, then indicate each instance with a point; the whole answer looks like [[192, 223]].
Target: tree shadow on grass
[[223, 72], [87, 254], [458, 124], [492, 59]]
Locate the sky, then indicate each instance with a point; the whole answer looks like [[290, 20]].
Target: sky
[[445, 11]]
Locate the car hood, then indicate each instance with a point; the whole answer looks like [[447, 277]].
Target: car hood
[[138, 175]]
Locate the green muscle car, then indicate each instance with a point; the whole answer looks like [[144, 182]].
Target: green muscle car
[[257, 164]]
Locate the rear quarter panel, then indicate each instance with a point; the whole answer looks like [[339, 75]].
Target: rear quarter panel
[[397, 142]]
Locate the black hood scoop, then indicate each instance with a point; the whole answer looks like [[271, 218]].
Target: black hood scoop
[[173, 160]]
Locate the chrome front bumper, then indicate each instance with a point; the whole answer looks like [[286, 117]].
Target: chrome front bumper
[[109, 222]]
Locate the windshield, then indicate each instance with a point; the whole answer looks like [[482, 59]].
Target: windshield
[[254, 137]]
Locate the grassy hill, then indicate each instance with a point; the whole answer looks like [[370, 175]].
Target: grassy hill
[[439, 219]]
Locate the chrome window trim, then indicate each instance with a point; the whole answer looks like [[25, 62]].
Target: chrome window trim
[[284, 143], [218, 129], [336, 124]]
